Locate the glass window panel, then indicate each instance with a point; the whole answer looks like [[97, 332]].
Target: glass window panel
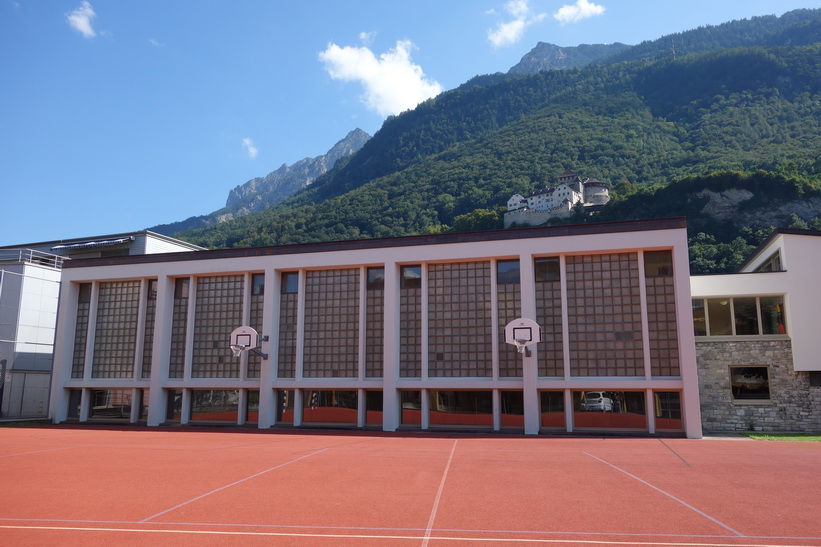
[[252, 406], [85, 293], [668, 410], [600, 409], [173, 409], [547, 269], [507, 272], [411, 408], [699, 317], [181, 288], [373, 407], [718, 310], [325, 406], [290, 282], [552, 409], [749, 383], [285, 406], [411, 277], [110, 404], [658, 263], [258, 284], [376, 278], [513, 409], [215, 405], [462, 408], [772, 315], [746, 316]]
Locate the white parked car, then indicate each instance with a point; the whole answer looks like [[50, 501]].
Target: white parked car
[[598, 401]]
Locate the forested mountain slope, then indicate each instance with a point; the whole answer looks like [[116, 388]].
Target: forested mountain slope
[[454, 160], [644, 123]]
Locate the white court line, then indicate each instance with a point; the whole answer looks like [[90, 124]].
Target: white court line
[[671, 496], [41, 451], [394, 537], [233, 484], [438, 497]]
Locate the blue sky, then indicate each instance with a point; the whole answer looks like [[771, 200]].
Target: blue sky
[[117, 115]]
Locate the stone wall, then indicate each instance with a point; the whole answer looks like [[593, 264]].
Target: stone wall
[[794, 405]]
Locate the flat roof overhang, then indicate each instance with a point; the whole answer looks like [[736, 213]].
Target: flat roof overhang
[[391, 242]]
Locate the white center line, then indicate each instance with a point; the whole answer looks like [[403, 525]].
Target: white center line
[[438, 497]]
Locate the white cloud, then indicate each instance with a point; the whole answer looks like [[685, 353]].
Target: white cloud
[[367, 38], [80, 20], [154, 42], [573, 13], [250, 148], [510, 32], [392, 82]]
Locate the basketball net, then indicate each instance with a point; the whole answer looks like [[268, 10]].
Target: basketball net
[[237, 350], [520, 345]]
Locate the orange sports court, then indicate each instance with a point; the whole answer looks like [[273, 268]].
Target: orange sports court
[[71, 485]]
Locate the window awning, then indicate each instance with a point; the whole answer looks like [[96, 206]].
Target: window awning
[[89, 244]]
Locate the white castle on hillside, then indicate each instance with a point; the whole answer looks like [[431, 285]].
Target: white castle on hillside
[[557, 201]]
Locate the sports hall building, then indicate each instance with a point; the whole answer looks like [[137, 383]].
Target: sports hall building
[[391, 334]]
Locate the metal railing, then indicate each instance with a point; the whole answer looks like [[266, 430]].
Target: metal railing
[[30, 256]]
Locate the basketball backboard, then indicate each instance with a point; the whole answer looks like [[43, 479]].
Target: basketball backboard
[[523, 332]]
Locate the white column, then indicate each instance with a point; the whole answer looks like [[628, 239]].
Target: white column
[[297, 407], [185, 411], [527, 277], [190, 322], [92, 331], [361, 408], [139, 339], [425, 409], [85, 404], [136, 401], [651, 411], [63, 351], [691, 410], [391, 401], [270, 326], [568, 410], [161, 350], [497, 409]]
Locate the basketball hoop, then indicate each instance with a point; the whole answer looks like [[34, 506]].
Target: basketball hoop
[[246, 339], [522, 333]]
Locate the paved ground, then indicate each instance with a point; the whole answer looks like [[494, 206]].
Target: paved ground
[[103, 486]]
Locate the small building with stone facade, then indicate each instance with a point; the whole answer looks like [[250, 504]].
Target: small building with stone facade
[[556, 201], [757, 342]]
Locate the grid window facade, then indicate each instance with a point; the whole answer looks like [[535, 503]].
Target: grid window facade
[[374, 323], [331, 344], [663, 327], [604, 323], [148, 340], [179, 328], [218, 311], [549, 316], [116, 334], [508, 297], [81, 331], [410, 328], [460, 329], [286, 352], [257, 297]]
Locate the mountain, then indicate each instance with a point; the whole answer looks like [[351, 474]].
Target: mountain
[[262, 192], [259, 193], [552, 57], [639, 124]]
